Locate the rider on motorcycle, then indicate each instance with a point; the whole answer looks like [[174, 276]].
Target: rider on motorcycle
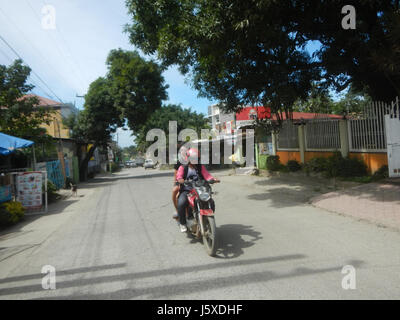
[[190, 171], [176, 187]]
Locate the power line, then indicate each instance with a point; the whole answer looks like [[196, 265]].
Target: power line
[[16, 53], [11, 60], [72, 61]]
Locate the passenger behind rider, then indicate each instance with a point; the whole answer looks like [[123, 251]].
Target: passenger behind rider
[[192, 170], [175, 190]]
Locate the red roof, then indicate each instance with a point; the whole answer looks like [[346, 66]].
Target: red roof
[[263, 112], [308, 115], [244, 114], [43, 101]]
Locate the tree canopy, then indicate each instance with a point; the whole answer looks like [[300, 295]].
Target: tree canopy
[[19, 115], [136, 85], [131, 90], [255, 51]]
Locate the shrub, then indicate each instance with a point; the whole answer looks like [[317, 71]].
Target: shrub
[[337, 166], [273, 163], [381, 173], [293, 165], [52, 194], [316, 164], [11, 212]]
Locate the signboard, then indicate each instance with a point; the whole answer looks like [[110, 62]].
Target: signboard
[[29, 189], [265, 148], [110, 154], [5, 193], [229, 127]]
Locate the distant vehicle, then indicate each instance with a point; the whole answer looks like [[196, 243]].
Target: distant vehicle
[[149, 164], [139, 162], [130, 164]]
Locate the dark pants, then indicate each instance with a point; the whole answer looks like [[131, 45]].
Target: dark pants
[[182, 204]]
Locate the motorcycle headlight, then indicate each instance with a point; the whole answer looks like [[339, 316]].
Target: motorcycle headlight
[[204, 196]]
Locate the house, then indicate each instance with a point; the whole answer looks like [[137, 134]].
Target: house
[[283, 144]]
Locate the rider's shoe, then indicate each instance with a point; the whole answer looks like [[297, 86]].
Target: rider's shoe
[[183, 228]]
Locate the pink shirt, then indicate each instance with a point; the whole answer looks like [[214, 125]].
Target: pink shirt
[[206, 175]]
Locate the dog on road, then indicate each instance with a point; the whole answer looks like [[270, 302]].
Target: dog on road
[[74, 189]]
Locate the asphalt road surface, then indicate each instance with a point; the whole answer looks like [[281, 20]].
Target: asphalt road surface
[[117, 240]]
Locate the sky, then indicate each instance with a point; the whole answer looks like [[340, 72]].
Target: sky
[[66, 43]]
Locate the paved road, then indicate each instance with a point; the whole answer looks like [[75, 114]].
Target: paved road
[[118, 241]]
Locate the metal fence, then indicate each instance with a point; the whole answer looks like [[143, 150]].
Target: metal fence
[[367, 129], [288, 137], [54, 173], [322, 134]]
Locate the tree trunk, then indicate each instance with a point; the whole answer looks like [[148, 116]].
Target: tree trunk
[[83, 167]]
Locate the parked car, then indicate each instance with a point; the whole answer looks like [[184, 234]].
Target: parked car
[[149, 164], [130, 164]]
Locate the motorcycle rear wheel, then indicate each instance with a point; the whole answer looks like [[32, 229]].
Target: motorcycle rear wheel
[[210, 235]]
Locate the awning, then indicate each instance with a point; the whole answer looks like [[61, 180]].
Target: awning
[[9, 144]]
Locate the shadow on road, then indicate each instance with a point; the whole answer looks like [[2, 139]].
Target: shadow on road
[[234, 238], [284, 197], [167, 290]]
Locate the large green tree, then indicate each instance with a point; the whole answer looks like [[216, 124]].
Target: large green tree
[[97, 122], [131, 90], [137, 86], [365, 58], [238, 52], [254, 51], [21, 116]]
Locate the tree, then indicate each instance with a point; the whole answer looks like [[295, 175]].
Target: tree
[[318, 101], [185, 118], [137, 86], [244, 52], [351, 103], [132, 89], [19, 115], [365, 58], [96, 123], [238, 52], [129, 152]]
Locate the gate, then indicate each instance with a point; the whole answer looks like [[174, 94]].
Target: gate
[[392, 122]]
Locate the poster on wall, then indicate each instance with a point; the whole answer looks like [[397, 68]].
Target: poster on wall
[[263, 147], [29, 189]]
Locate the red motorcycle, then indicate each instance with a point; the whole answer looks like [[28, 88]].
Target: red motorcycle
[[201, 221]]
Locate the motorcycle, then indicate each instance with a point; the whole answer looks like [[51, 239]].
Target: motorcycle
[[200, 220]]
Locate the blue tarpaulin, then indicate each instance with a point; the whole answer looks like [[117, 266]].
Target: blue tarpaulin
[[8, 144]]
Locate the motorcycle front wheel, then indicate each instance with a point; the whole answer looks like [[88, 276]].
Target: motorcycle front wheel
[[210, 235]]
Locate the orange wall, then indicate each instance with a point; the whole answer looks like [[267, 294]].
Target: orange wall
[[285, 156], [373, 160]]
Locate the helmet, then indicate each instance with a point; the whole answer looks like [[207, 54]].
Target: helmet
[[192, 155]]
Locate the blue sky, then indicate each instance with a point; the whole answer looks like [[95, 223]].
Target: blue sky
[[71, 56]]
